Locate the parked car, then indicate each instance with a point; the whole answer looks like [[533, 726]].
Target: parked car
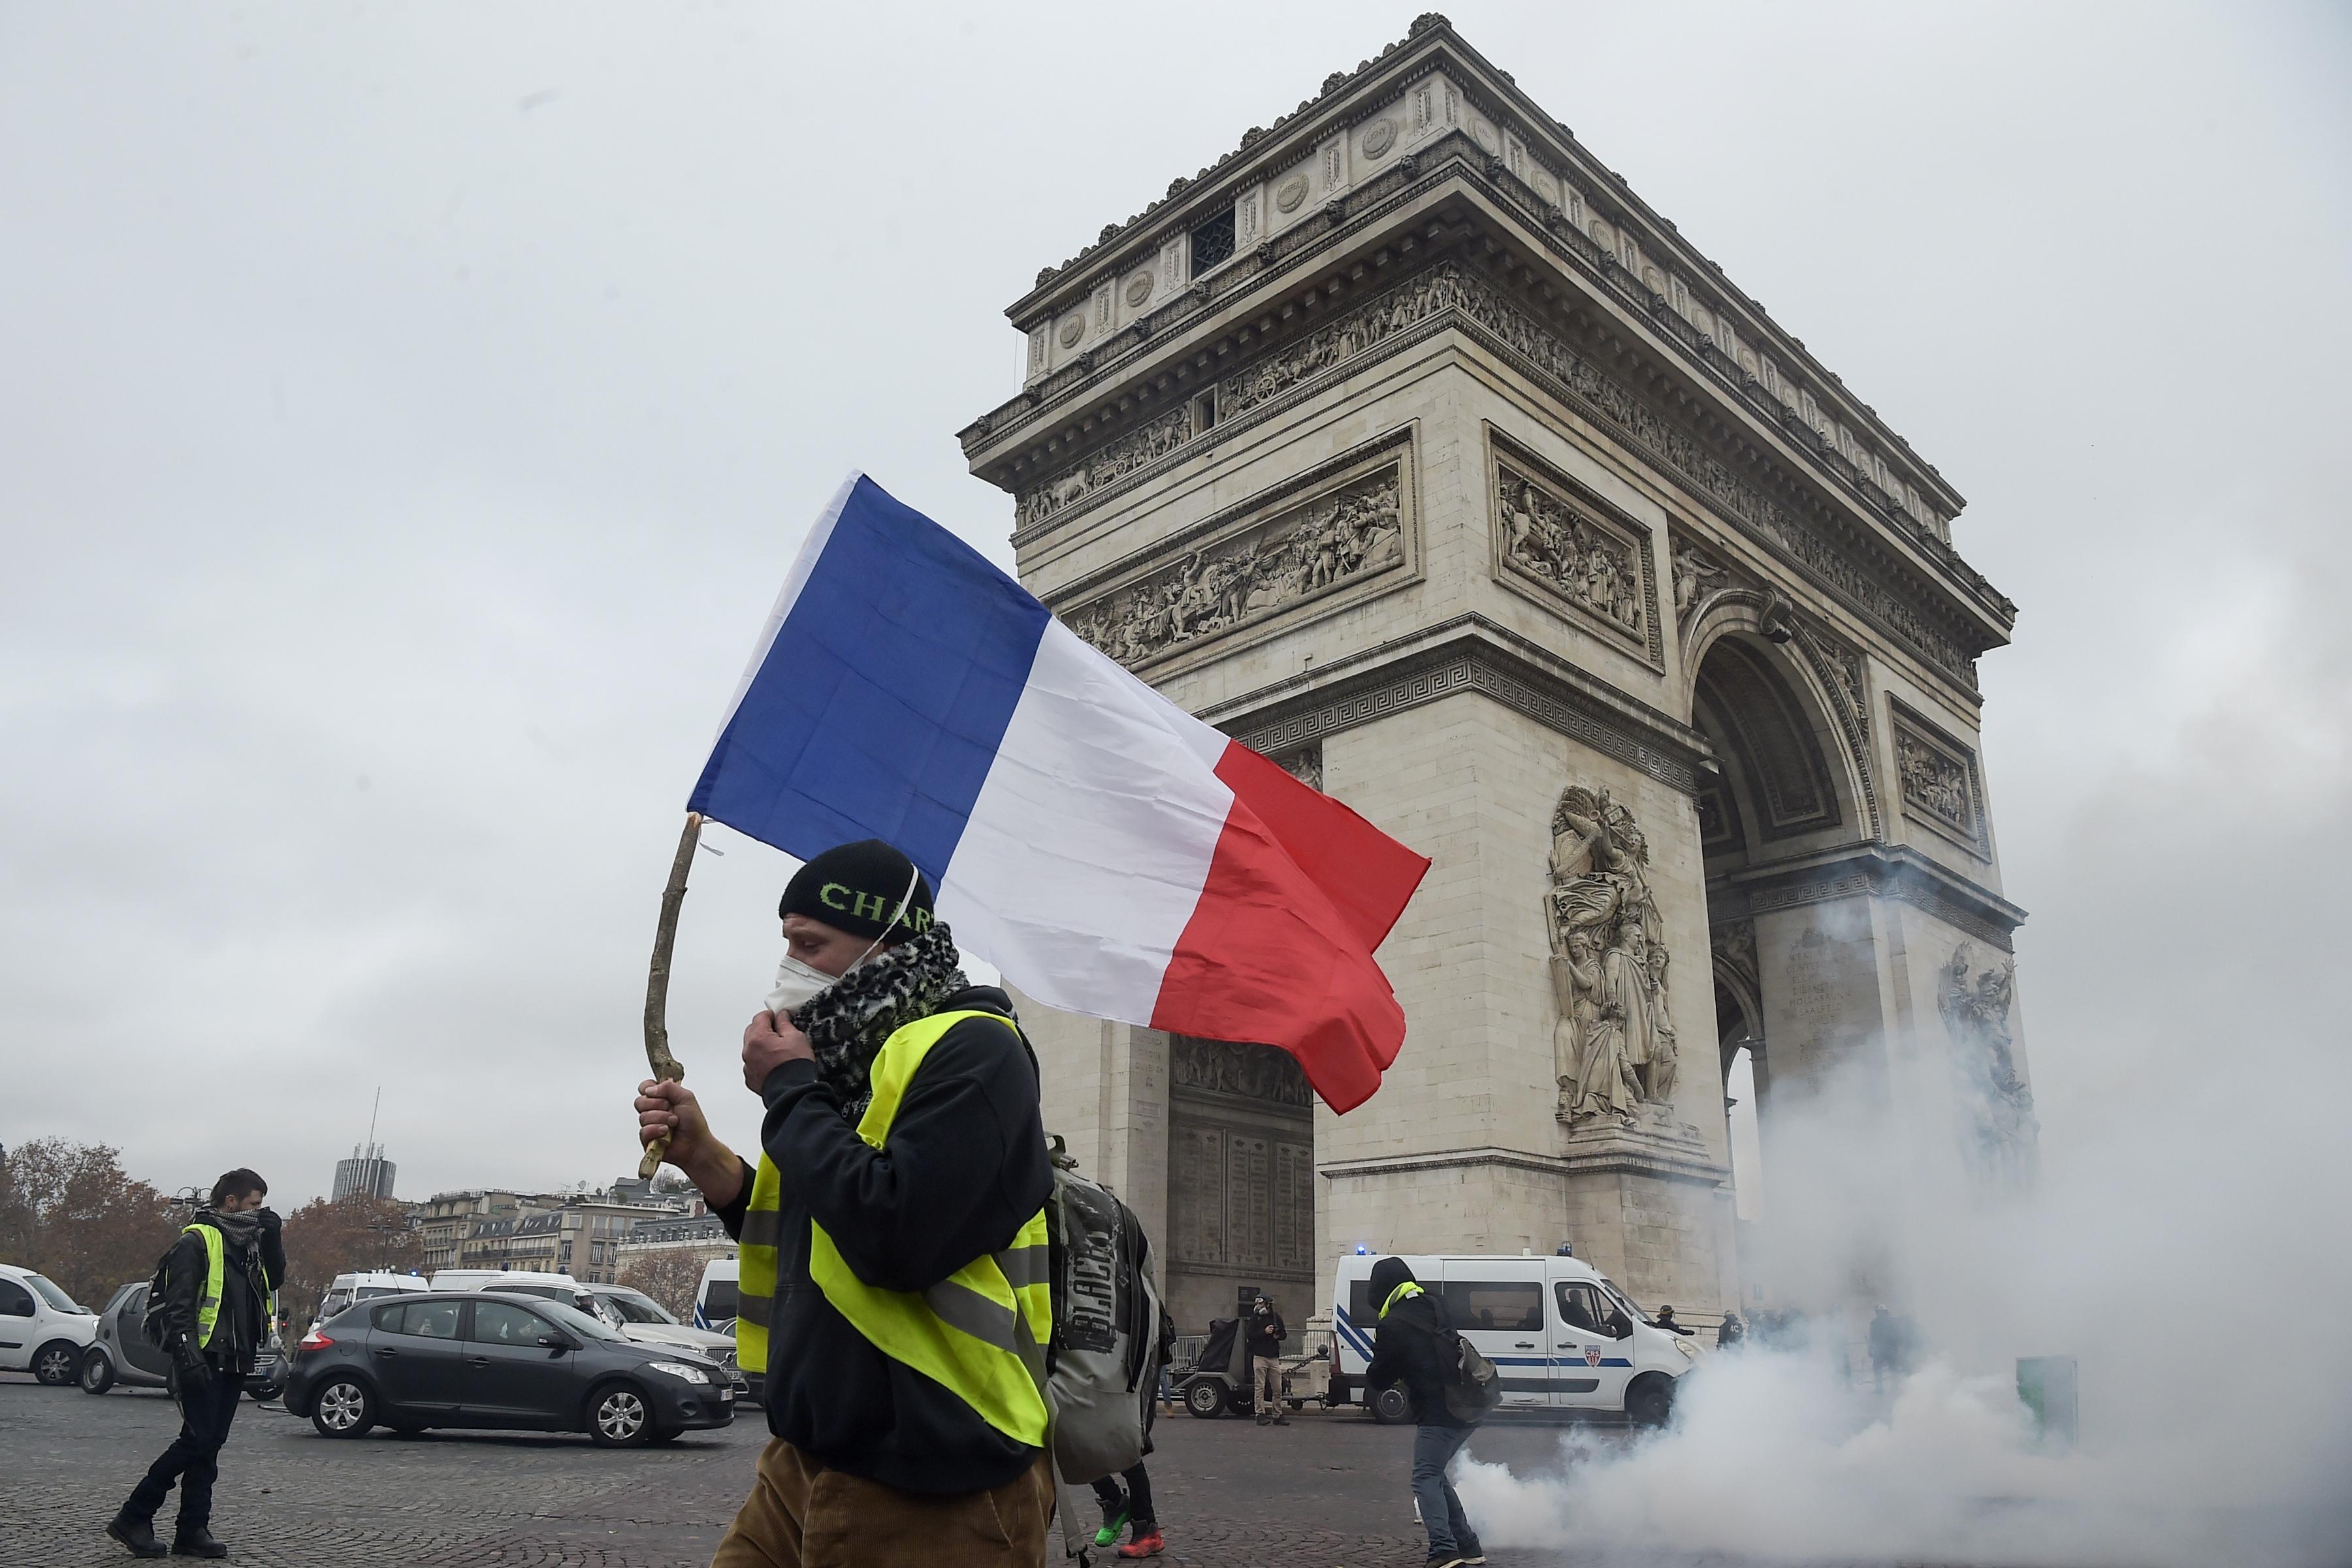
[[473, 1359], [43, 1331], [121, 1353], [639, 1317]]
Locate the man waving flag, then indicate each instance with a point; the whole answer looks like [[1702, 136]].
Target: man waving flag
[[1110, 854]]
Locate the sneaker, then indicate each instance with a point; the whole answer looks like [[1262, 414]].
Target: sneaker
[[1114, 1521], [1444, 1560], [137, 1535], [1472, 1553], [1150, 1544]]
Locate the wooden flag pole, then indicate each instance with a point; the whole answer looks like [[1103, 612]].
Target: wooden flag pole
[[665, 1067]]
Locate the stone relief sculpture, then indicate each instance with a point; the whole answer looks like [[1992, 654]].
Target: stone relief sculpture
[[1348, 532], [1569, 552], [1451, 286], [1306, 766], [1935, 783], [1613, 1042], [1693, 572], [1253, 1072], [1976, 1006]]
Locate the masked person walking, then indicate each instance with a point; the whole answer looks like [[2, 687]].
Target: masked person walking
[[217, 1301], [1411, 1351], [1265, 1333], [895, 1287]]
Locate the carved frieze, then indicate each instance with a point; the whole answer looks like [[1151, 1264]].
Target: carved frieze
[[1249, 1072], [1612, 1039], [1940, 786], [1553, 532], [1274, 558], [1456, 286]]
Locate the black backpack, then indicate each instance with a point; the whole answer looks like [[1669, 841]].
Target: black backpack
[[155, 1323], [1474, 1385]]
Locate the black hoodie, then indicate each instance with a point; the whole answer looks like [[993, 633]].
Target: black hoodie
[[1411, 1349], [966, 1167]]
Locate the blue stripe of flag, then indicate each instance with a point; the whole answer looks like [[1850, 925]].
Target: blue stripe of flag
[[880, 708]]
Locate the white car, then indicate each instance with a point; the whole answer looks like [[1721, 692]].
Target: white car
[[1563, 1337], [43, 1331]]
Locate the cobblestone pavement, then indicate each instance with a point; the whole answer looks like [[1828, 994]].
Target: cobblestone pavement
[[1325, 1491]]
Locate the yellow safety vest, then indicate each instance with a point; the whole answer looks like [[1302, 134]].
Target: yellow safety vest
[[979, 1334], [208, 1305], [1404, 1292]]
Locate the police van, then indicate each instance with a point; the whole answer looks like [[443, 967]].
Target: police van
[[1564, 1338]]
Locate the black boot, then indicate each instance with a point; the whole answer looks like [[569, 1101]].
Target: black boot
[[195, 1541], [137, 1535]]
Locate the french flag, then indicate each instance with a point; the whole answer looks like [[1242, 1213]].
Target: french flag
[[1110, 854]]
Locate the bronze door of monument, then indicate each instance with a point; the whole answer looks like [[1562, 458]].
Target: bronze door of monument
[[1241, 1177]]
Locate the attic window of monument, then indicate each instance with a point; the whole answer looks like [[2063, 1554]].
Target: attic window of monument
[[1204, 410], [1213, 241]]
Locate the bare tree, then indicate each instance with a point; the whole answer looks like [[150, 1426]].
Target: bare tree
[[71, 1211], [671, 1278], [325, 1237]]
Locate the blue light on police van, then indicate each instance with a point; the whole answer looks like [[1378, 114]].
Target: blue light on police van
[[1362, 1251]]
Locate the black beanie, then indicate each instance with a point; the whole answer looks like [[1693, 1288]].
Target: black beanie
[[857, 888]]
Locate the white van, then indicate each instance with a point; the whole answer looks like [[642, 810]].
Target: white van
[[715, 1299], [347, 1290], [1563, 1337]]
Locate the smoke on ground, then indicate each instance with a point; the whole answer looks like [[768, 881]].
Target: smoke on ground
[[2188, 1253]]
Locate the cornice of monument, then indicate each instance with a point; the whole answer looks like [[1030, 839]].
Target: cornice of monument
[[1347, 99], [1465, 655], [1877, 868]]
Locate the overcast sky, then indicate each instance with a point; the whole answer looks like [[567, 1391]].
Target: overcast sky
[[408, 412]]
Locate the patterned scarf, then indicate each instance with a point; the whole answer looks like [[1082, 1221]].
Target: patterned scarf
[[848, 1021]]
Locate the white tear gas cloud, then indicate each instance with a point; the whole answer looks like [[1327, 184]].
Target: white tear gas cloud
[[2186, 1246]]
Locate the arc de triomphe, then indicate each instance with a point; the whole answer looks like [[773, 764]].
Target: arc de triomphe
[[1410, 447]]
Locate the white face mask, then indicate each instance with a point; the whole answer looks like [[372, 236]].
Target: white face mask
[[797, 984]]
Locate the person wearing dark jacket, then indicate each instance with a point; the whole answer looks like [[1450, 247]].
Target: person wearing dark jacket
[[1127, 1501], [1412, 1350], [1666, 1320], [1729, 1331], [1264, 1332], [220, 1284], [899, 1195]]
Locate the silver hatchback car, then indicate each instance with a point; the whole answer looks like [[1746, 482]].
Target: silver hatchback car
[[121, 1353]]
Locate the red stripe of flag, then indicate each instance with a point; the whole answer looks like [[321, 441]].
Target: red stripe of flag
[[1279, 949]]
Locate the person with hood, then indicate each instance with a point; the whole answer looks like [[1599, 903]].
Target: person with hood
[[895, 1285], [1413, 1349], [217, 1300], [1265, 1333]]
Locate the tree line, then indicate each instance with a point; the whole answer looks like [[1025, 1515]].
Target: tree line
[[71, 1212]]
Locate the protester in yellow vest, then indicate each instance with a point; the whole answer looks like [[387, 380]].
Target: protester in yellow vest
[[220, 1281], [893, 1238]]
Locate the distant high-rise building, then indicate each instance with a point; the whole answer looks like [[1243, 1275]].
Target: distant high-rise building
[[367, 1173]]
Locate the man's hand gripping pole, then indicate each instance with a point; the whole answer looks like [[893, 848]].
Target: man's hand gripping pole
[[665, 1066]]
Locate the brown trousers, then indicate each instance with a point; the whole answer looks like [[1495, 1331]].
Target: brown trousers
[[801, 1515]]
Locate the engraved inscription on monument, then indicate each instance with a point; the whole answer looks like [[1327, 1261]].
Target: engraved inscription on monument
[[1241, 1126]]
